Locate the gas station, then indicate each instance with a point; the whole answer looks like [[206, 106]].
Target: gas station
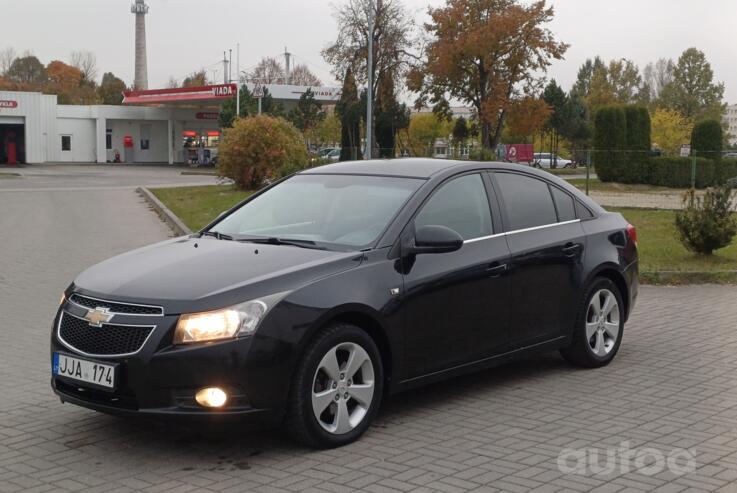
[[177, 125]]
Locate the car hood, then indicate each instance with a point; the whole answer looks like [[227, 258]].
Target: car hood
[[194, 274]]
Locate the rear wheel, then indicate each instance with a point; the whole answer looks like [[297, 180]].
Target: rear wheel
[[337, 388], [599, 326]]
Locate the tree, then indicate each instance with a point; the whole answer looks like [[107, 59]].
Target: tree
[[328, 131], [196, 79], [7, 57], [268, 71], [693, 92], [301, 75], [610, 141], [582, 85], [424, 130], [657, 76], [349, 110], [111, 89], [577, 128], [27, 70], [307, 114], [556, 100], [63, 80], [249, 106], [626, 83], [707, 139], [461, 132], [528, 116], [86, 63], [392, 39], [670, 130], [486, 53], [391, 116], [258, 148]]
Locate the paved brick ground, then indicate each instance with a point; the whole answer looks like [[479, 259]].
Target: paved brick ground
[[673, 386]]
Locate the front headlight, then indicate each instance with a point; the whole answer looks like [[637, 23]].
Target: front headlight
[[227, 323]]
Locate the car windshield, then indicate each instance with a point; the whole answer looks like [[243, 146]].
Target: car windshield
[[333, 211]]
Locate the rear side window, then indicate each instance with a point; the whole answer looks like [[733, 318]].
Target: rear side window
[[583, 211], [527, 201], [564, 205], [461, 205]]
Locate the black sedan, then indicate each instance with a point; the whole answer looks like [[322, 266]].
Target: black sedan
[[312, 299]]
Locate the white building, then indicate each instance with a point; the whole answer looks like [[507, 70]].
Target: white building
[[44, 131], [153, 126], [730, 118]]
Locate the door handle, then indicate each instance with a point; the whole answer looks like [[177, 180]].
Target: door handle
[[496, 269], [570, 249]]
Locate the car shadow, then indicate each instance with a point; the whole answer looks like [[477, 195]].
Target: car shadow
[[232, 446]]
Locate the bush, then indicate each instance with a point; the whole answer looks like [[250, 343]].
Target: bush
[[707, 139], [676, 172], [482, 154], [610, 139], [259, 148], [634, 169], [707, 224]]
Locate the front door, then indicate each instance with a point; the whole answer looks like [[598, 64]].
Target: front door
[[456, 304], [547, 245]]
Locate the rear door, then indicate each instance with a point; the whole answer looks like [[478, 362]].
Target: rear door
[[547, 243], [457, 304]]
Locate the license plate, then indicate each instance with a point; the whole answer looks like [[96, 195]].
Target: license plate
[[91, 373]]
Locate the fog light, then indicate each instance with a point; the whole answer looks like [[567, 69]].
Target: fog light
[[211, 397]]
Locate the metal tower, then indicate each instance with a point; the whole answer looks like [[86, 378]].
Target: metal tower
[[141, 78]]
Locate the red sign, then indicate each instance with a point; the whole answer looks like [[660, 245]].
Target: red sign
[[520, 153], [8, 104], [181, 94], [207, 115]]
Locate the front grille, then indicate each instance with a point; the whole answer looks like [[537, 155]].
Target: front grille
[[114, 307], [108, 340]]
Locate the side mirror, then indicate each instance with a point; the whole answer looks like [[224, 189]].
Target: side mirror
[[435, 239]]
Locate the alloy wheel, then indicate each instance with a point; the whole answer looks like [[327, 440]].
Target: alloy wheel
[[602, 322], [343, 388]]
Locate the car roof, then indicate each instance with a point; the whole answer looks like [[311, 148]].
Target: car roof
[[404, 167]]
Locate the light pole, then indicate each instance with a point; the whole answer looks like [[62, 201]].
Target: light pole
[[369, 89]]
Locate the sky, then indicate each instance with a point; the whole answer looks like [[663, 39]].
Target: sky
[[186, 35]]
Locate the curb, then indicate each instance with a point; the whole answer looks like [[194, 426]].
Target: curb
[[166, 215]]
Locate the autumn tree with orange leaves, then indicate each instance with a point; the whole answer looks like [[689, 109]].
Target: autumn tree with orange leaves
[[488, 54]]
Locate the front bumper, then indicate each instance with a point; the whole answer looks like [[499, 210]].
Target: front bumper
[[161, 380]]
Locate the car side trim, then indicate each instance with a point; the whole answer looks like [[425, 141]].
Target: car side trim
[[515, 231]]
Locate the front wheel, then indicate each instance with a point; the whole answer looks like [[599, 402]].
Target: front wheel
[[337, 388], [599, 326]]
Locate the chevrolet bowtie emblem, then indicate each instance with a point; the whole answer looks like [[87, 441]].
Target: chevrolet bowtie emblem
[[98, 316]]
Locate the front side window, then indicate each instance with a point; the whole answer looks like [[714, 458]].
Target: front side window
[[527, 201], [461, 205], [330, 210]]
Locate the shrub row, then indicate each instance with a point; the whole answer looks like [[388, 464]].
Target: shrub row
[[676, 172]]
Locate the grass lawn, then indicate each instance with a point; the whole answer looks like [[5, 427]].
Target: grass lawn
[[596, 185], [662, 257], [4, 174], [568, 171], [661, 251], [197, 206]]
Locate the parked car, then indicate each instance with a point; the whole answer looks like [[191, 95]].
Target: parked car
[[310, 301], [545, 160], [333, 156], [730, 155], [326, 150]]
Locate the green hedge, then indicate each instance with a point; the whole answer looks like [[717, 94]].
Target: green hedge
[[707, 139], [676, 172], [610, 142]]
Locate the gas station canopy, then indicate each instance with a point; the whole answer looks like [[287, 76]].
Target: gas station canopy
[[204, 95]]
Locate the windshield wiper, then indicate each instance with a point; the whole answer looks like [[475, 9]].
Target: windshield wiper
[[215, 234], [273, 240]]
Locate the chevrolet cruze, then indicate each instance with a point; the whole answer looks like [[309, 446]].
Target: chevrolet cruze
[[312, 299]]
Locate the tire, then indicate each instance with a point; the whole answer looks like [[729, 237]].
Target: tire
[[349, 397], [597, 337]]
